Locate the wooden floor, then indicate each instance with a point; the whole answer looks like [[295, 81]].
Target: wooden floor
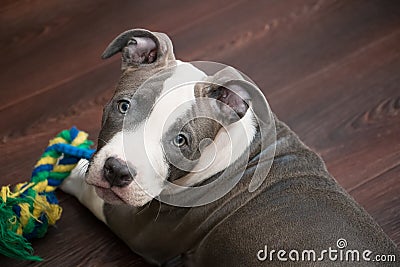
[[330, 69]]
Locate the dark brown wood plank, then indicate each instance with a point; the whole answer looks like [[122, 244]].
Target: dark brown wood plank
[[287, 42], [352, 110], [381, 199]]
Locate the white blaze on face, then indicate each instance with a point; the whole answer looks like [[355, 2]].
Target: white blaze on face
[[178, 92]]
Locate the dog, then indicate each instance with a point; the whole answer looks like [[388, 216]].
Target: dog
[[151, 141]]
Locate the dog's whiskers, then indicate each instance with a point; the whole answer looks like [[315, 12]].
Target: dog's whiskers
[[82, 167], [158, 212], [144, 208]]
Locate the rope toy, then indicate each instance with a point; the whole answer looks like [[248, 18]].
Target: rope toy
[[28, 210]]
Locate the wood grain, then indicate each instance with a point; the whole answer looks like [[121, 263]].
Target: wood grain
[[330, 69]]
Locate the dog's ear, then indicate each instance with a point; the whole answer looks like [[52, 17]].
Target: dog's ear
[[230, 90], [148, 42], [137, 46]]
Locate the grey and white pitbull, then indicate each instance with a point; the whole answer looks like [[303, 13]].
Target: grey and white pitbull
[[298, 207]]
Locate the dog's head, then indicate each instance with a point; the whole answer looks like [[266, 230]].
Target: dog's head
[[168, 122]]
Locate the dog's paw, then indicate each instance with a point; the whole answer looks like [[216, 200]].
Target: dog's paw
[[73, 184]]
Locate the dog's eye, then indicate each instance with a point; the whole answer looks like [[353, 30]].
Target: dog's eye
[[180, 140], [123, 106]]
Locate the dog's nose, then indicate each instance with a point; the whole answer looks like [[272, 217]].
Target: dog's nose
[[117, 173]]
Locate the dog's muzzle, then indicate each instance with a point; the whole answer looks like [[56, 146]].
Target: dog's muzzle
[[117, 172]]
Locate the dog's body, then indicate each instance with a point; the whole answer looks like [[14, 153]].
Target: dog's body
[[299, 206]]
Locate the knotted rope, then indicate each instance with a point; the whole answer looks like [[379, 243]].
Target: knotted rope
[[28, 210]]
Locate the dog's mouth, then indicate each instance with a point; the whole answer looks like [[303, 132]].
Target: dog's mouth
[[109, 196], [114, 197]]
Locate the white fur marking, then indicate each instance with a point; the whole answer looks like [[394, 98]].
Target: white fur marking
[[176, 98]]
